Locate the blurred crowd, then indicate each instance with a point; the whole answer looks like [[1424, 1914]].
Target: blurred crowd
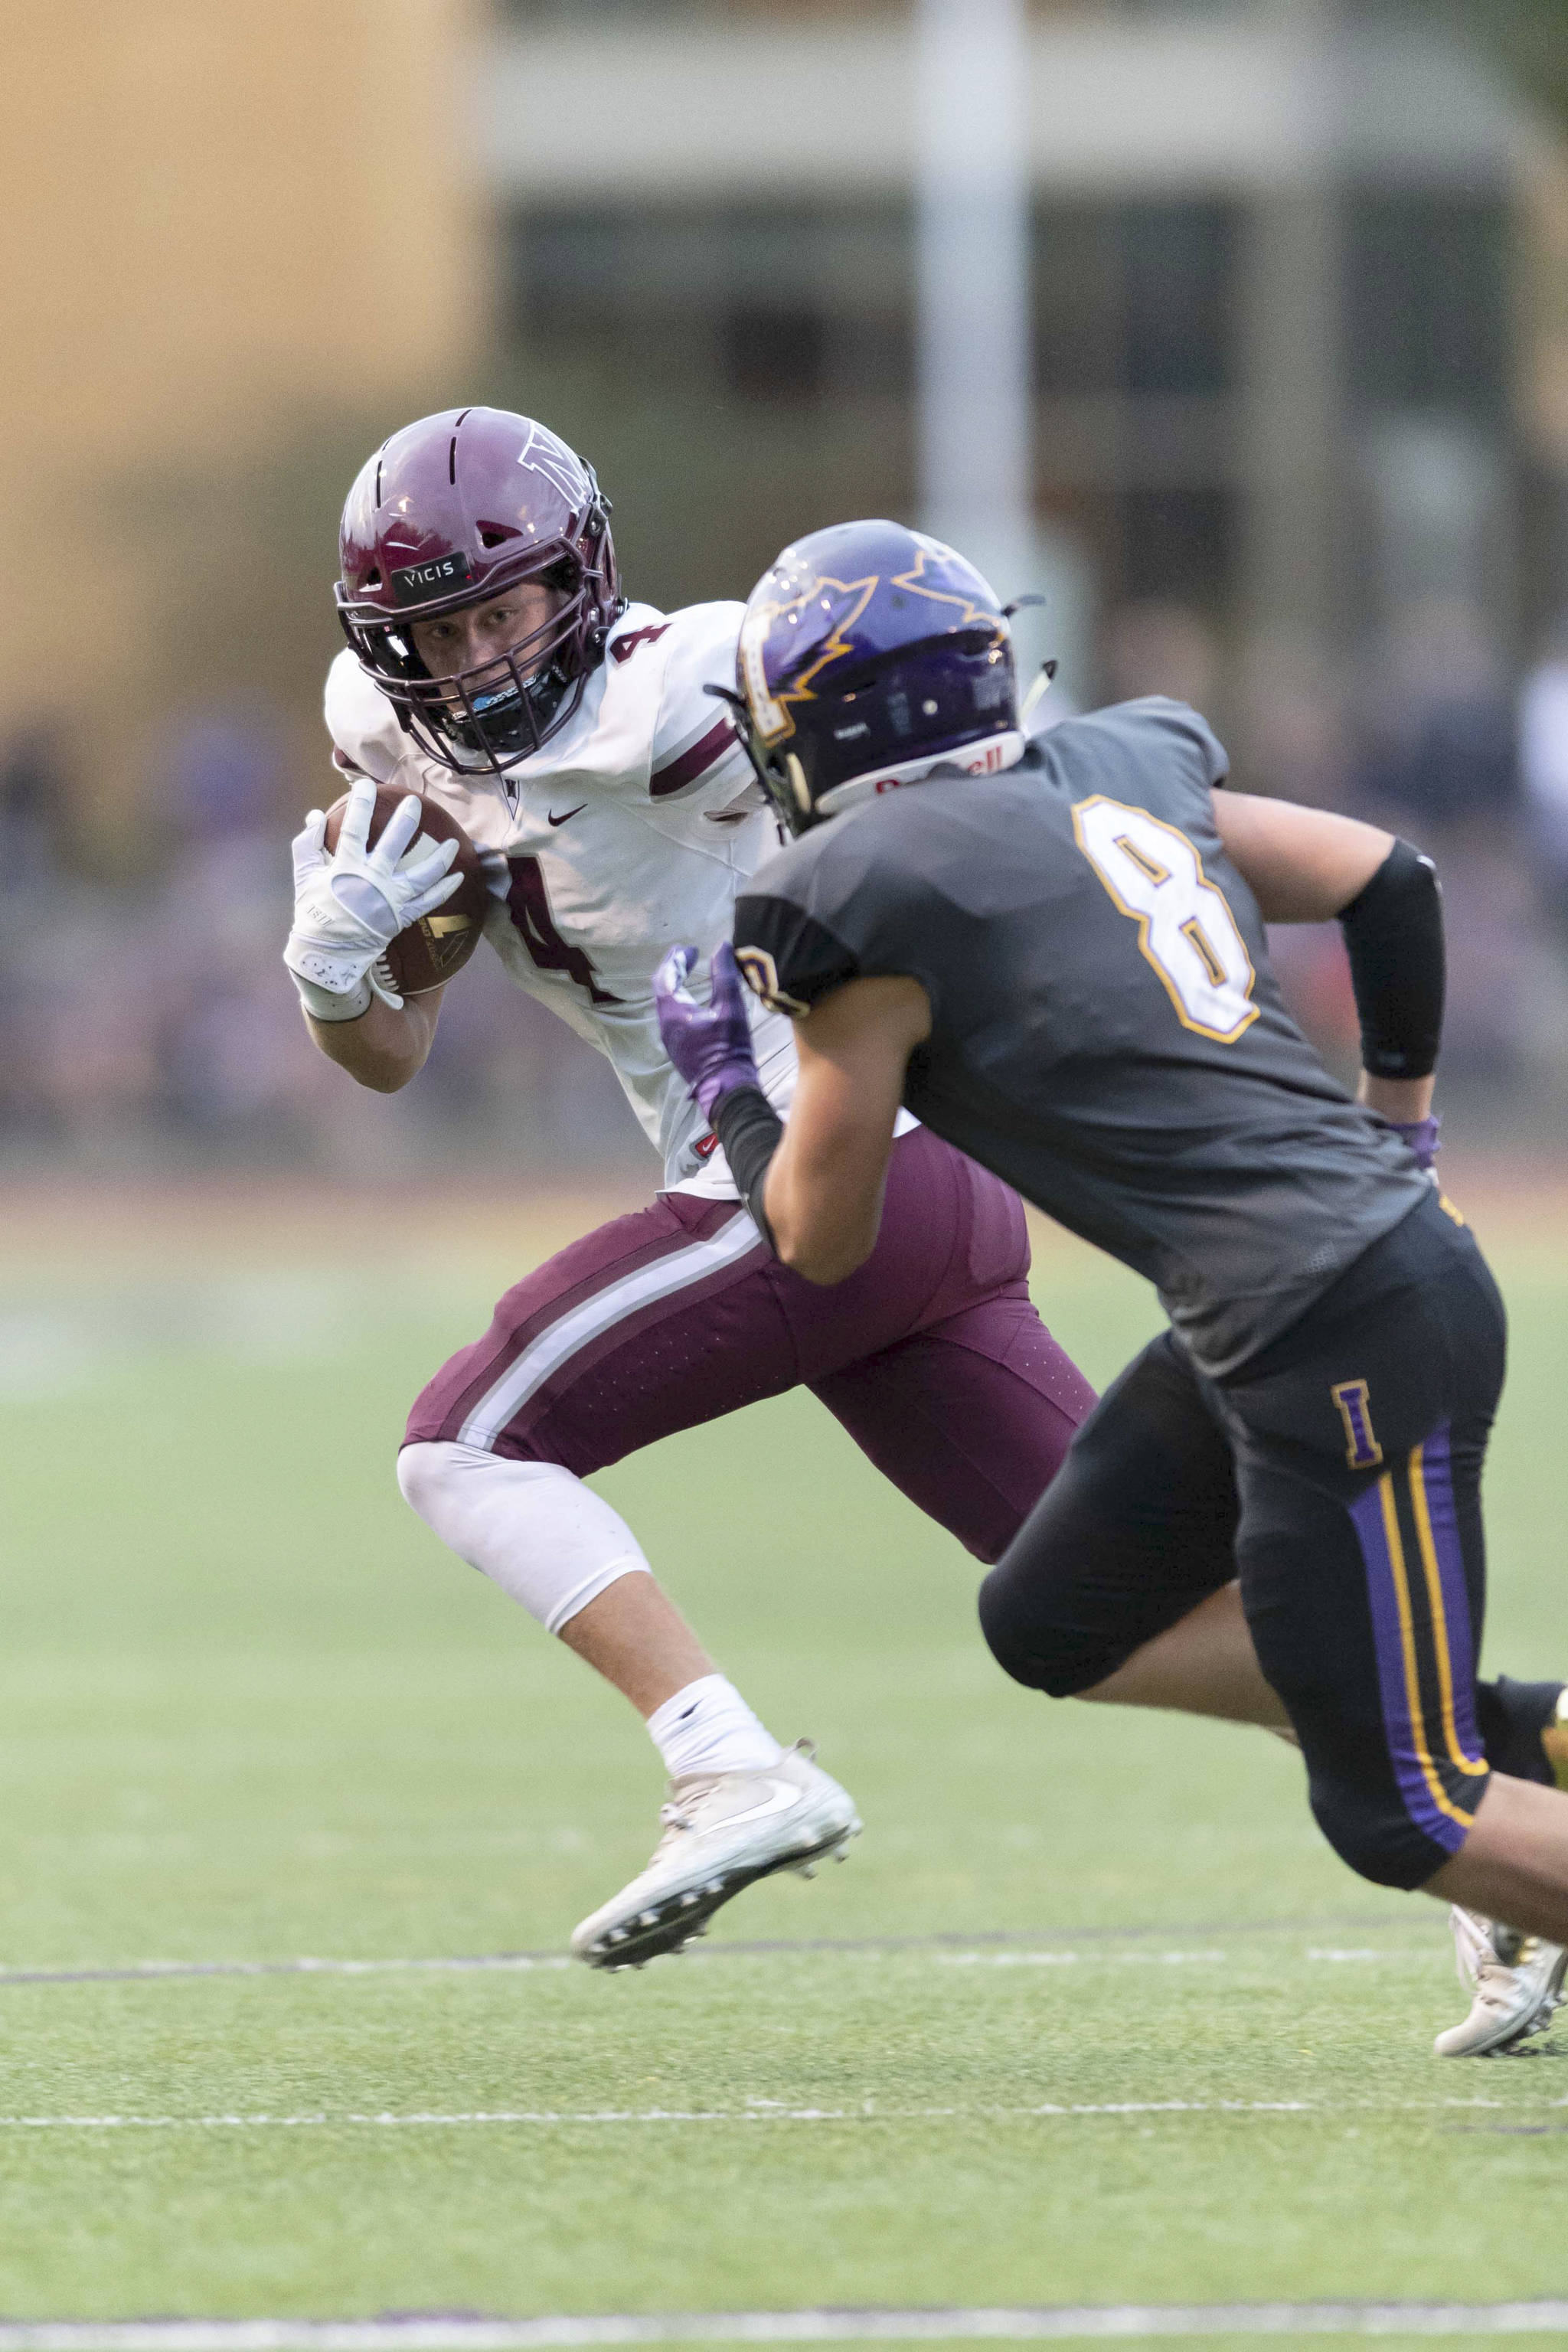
[[1433, 736], [149, 1018]]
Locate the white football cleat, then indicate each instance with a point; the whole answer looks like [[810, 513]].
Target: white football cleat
[[722, 1830], [1516, 1981]]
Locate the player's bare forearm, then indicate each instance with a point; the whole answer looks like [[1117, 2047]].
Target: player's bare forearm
[[823, 1194], [1301, 865], [383, 1049], [1402, 1100]]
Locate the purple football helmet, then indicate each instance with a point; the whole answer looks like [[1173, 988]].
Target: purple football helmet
[[451, 512], [871, 656]]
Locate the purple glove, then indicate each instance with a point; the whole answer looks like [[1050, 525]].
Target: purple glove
[[711, 1045], [1421, 1135]]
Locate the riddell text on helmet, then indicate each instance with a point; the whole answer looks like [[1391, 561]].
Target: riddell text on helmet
[[997, 753]]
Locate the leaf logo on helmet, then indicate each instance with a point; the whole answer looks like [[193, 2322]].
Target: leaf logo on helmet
[[971, 614], [842, 601], [455, 510], [870, 656]]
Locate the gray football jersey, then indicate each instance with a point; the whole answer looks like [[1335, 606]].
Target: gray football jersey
[[1106, 1031]]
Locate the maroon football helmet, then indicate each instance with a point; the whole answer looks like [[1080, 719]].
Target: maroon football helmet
[[449, 512]]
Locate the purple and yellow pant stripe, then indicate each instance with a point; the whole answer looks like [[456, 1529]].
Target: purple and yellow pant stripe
[[1426, 1654]]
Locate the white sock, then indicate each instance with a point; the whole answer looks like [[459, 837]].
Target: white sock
[[533, 1529], [709, 1727], [555, 1545]]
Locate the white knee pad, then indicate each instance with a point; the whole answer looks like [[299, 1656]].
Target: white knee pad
[[531, 1526]]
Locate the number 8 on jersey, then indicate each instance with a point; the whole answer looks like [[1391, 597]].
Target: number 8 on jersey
[[1185, 928]]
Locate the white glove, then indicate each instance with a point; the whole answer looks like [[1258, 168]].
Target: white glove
[[349, 906]]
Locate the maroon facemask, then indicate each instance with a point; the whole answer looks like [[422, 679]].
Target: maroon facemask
[[449, 512]]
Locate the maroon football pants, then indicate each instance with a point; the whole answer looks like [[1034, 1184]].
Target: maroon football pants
[[931, 1356]]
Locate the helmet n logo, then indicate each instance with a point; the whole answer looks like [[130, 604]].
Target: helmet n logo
[[543, 454]]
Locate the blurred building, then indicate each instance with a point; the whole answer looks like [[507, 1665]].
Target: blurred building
[[1297, 310], [236, 253], [1299, 300], [1290, 350]]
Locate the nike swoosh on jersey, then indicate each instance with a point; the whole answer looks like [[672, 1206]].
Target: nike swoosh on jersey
[[570, 813]]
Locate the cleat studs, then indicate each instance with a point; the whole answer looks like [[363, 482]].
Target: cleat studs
[[808, 1870], [616, 1936], [648, 1919], [688, 1898]]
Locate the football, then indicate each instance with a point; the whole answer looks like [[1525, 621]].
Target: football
[[429, 952]]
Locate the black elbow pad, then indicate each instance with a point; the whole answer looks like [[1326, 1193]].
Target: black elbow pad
[[1393, 934]]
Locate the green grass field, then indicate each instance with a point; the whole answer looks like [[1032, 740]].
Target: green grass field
[[1092, 2014]]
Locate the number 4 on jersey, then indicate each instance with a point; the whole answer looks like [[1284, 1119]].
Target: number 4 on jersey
[[1185, 928], [529, 907]]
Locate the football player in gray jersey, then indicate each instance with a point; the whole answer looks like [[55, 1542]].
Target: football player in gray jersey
[[1053, 953]]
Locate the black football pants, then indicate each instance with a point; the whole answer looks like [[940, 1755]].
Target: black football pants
[[1338, 1476]]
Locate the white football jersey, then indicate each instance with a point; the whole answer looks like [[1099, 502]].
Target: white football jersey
[[630, 833]]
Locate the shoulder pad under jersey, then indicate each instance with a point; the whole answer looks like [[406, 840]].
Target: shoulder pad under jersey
[[694, 741], [367, 735]]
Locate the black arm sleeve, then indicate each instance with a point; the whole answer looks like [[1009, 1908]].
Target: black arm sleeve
[[749, 1129], [1393, 933]]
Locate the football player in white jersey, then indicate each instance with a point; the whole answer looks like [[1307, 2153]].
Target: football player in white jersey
[[494, 664], [495, 667]]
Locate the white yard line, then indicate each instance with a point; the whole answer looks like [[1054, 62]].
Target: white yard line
[[1421, 1955], [764, 2111], [159, 1971], [999, 2325], [999, 1952], [1069, 1959], [756, 2111]]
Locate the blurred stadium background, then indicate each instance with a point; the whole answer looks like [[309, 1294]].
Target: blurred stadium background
[[1255, 362]]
